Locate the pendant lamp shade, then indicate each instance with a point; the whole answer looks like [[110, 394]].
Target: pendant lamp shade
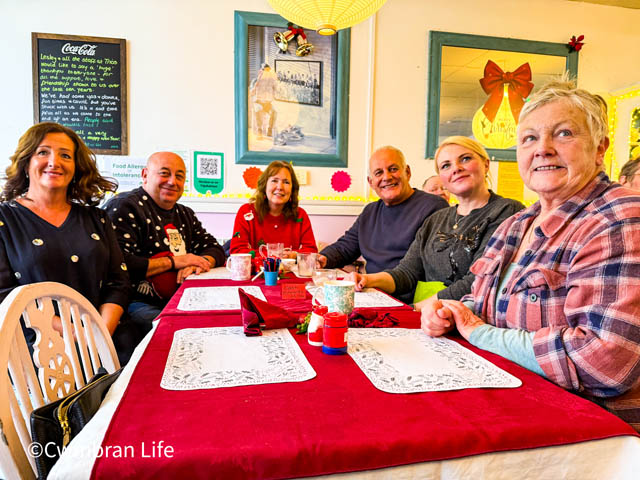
[[326, 16]]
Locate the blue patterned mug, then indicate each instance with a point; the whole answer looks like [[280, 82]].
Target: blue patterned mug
[[339, 295]]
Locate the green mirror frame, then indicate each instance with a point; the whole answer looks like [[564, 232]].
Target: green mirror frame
[[437, 40], [242, 21]]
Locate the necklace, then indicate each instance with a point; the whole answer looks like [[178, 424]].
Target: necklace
[[456, 220]]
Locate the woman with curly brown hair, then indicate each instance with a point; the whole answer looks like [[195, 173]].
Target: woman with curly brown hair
[[272, 215], [51, 230]]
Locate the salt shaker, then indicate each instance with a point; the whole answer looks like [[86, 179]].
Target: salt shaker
[[335, 333], [316, 322]]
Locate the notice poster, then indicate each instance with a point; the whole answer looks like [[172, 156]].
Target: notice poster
[[128, 172], [510, 185]]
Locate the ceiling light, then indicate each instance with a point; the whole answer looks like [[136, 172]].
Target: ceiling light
[[326, 16]]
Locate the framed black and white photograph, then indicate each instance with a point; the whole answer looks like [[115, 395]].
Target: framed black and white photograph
[[291, 92], [299, 81]]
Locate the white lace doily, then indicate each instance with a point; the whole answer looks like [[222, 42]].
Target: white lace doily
[[215, 298], [399, 360], [213, 274], [370, 297], [225, 357]]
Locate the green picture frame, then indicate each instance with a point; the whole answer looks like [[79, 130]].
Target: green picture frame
[[338, 116], [435, 101]]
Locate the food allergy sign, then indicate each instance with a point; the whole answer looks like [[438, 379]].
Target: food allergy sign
[[80, 82]]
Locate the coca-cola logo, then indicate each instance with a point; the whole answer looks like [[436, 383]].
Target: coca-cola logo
[[85, 49]]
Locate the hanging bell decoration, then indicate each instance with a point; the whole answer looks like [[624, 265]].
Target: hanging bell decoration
[[494, 125], [499, 132], [282, 39], [304, 47]]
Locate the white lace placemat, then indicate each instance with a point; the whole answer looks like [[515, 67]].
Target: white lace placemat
[[213, 274], [399, 360], [215, 298], [370, 297], [225, 357]]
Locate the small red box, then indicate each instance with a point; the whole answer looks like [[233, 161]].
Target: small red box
[[293, 291]]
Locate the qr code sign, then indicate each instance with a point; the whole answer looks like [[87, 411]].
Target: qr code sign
[[209, 166]]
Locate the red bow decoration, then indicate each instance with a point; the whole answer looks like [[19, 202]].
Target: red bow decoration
[[297, 31], [575, 44], [519, 83]]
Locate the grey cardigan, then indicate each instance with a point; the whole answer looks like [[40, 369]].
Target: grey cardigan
[[442, 253]]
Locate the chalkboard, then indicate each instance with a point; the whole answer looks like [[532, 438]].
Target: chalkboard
[[80, 82]]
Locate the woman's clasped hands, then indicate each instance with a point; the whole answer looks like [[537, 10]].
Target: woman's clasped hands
[[439, 317]]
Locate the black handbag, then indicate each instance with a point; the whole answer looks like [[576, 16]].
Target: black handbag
[[54, 425]]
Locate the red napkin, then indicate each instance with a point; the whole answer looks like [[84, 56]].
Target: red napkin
[[366, 318], [256, 312]]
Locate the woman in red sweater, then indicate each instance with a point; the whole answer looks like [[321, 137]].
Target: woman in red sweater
[[273, 216]]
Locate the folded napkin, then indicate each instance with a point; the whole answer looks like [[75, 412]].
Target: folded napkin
[[256, 312], [367, 318]]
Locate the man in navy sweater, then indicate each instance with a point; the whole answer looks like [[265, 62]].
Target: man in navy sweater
[[385, 229]]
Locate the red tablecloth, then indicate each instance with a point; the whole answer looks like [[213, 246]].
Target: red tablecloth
[[335, 422]]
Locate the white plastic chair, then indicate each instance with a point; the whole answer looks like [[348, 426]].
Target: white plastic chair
[[62, 364]]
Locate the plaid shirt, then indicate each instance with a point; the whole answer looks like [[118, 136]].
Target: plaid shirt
[[578, 288]]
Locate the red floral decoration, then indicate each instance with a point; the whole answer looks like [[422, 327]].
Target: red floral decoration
[[340, 181], [575, 44], [250, 176]]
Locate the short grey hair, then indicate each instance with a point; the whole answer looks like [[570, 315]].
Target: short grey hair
[[592, 106], [397, 151], [630, 168], [429, 178]]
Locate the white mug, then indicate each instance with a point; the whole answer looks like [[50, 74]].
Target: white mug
[[337, 295], [240, 266]]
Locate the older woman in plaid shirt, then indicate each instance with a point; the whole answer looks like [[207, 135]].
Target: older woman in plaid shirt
[[558, 287]]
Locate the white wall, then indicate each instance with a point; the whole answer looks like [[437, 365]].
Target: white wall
[[181, 63]]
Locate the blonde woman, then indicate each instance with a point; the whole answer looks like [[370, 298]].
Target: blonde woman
[[451, 239]]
